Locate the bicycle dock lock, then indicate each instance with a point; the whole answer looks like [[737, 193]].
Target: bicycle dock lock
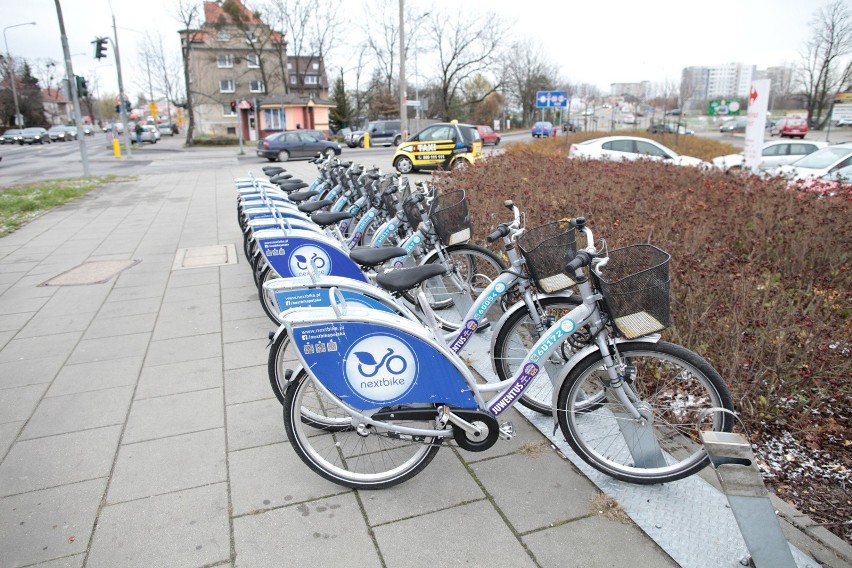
[[733, 461]]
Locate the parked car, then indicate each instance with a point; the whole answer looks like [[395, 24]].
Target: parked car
[[318, 134], [35, 135], [12, 136], [628, 119], [150, 134], [60, 133], [774, 153], [115, 126], [446, 145], [630, 148], [822, 162], [736, 125], [165, 129], [673, 112], [385, 132], [90, 129], [488, 135], [790, 127], [72, 132], [669, 128], [570, 126], [283, 146], [836, 183], [542, 130]]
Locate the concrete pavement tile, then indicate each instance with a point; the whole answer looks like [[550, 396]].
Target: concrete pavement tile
[[245, 293], [109, 348], [319, 533], [80, 411], [6, 337], [183, 294], [194, 277], [255, 423], [418, 495], [130, 307], [58, 460], [552, 490], [193, 317], [247, 384], [47, 524], [235, 275], [14, 322], [26, 291], [48, 322], [60, 344], [96, 375], [124, 325], [468, 535], [8, 433], [186, 528], [610, 543], [29, 371], [181, 377], [136, 293], [246, 353], [246, 329], [75, 561], [273, 476], [156, 280], [79, 299], [242, 310], [525, 434], [18, 403], [184, 349], [169, 464], [175, 414]]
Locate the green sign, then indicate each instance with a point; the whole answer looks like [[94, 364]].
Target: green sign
[[724, 107]]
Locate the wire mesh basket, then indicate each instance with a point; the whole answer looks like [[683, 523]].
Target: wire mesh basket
[[388, 199], [635, 287], [411, 208], [450, 218], [547, 249]]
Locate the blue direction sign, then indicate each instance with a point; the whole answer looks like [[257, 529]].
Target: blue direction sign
[[545, 99]]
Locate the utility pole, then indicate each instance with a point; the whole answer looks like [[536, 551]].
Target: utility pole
[[19, 119], [403, 110], [121, 95], [72, 87]]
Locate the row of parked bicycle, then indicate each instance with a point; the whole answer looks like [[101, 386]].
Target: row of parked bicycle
[[380, 297]]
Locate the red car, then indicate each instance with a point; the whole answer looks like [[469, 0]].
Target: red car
[[488, 135], [790, 127]]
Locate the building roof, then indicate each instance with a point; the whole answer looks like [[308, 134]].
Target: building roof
[[53, 96], [215, 14]]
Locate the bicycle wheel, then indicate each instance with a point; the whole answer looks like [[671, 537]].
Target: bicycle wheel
[[472, 269], [375, 458], [673, 386], [514, 341], [269, 304]]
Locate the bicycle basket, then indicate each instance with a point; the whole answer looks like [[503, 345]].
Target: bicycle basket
[[411, 209], [547, 249], [388, 200], [450, 218], [635, 287]]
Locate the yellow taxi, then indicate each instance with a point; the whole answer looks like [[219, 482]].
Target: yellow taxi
[[444, 145]]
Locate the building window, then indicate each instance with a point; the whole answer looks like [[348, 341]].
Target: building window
[[225, 61], [226, 86], [289, 66], [316, 66], [311, 80], [257, 86], [273, 119], [223, 35], [226, 110], [292, 79], [250, 36], [232, 130], [253, 61]]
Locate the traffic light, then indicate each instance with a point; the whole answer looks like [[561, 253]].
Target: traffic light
[[117, 109], [233, 106], [82, 87], [100, 47]]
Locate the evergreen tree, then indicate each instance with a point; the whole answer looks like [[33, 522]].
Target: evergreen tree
[[341, 115]]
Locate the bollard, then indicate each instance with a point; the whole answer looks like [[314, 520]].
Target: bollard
[[366, 140], [116, 147], [733, 461]]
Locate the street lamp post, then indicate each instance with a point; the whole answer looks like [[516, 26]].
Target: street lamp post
[[19, 120]]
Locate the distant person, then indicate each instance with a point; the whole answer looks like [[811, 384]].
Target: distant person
[[298, 126], [138, 131]]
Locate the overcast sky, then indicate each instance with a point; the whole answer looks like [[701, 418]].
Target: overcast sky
[[591, 42]]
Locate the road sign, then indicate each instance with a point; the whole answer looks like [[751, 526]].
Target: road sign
[[842, 112], [549, 99], [414, 104]]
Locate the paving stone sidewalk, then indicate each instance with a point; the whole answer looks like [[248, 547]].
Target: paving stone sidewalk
[[138, 428]]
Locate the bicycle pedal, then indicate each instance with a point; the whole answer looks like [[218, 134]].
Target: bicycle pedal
[[507, 430]]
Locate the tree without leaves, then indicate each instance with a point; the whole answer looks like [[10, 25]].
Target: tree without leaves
[[164, 68], [186, 13], [820, 75], [529, 71], [258, 37]]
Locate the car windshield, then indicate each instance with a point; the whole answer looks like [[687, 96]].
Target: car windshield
[[32, 130], [12, 132], [57, 129], [843, 175], [822, 158], [797, 122]]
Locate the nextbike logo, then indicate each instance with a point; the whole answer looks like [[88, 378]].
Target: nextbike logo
[[499, 288], [567, 327], [307, 256], [380, 368]]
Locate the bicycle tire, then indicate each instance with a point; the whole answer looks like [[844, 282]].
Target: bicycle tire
[[348, 458], [474, 267], [674, 384], [514, 340]]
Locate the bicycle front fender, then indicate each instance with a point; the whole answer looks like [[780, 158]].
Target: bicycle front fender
[[508, 313], [589, 351]]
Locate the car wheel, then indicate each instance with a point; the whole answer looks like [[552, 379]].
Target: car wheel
[[271, 159], [397, 141], [361, 143], [459, 164], [283, 156], [403, 165], [497, 142]]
